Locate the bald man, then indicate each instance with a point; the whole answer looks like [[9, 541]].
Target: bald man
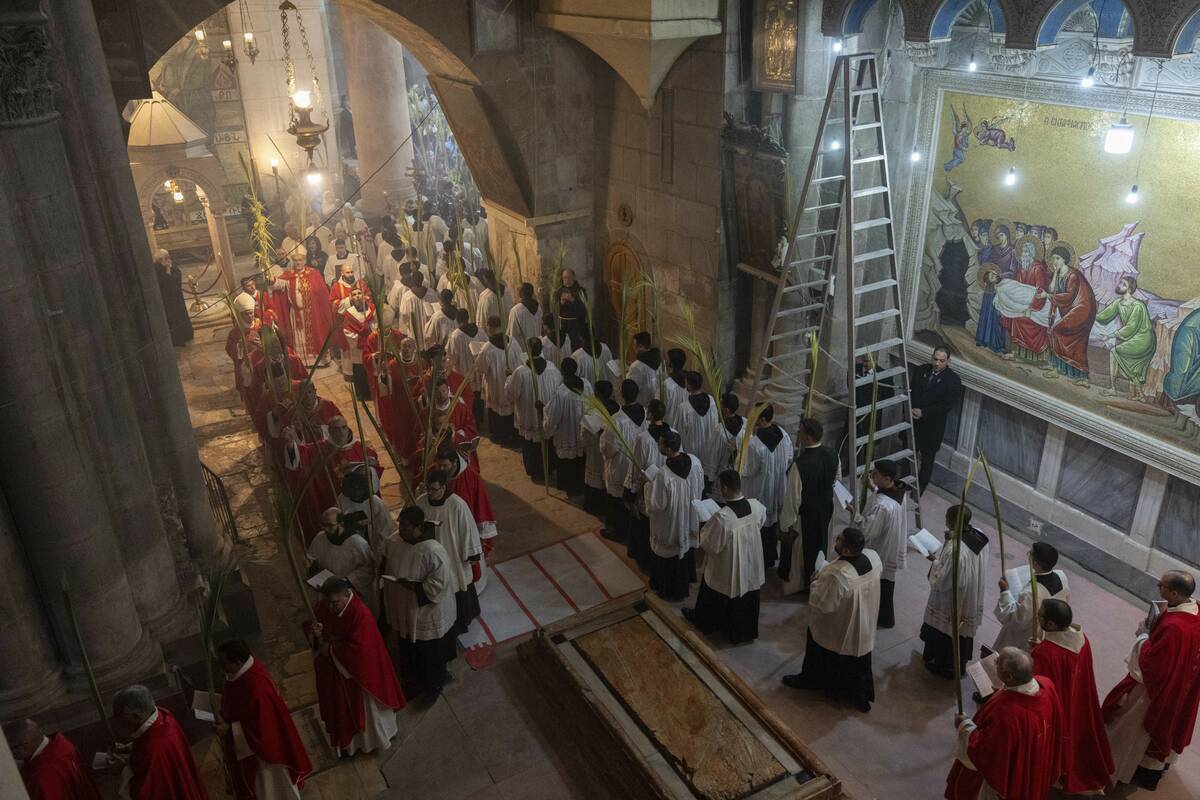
[[1013, 747], [1150, 714], [50, 765]]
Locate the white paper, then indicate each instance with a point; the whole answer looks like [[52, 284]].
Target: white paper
[[1157, 607], [983, 675], [614, 367], [202, 709], [651, 471], [822, 562], [593, 423], [705, 509], [391, 578], [842, 494], [318, 580], [925, 543], [1018, 579], [102, 761]]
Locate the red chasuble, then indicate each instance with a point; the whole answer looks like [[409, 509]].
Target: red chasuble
[[162, 764], [337, 293], [355, 641], [469, 485], [1170, 664], [1016, 747], [310, 316], [401, 424], [56, 774], [254, 701], [1087, 758]]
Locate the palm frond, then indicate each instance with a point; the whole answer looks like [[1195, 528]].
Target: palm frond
[[594, 403], [93, 686], [871, 425], [751, 421], [955, 613], [987, 473]]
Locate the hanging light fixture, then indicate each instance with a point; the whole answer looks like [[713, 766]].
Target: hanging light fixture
[[1089, 80], [1132, 197], [177, 196], [1011, 178], [227, 56], [201, 43], [1119, 138], [972, 65], [302, 102], [249, 46], [915, 155], [835, 145], [837, 45]]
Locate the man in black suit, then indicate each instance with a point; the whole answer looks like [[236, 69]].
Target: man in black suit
[[935, 390]]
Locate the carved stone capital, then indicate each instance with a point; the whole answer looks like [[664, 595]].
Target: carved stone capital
[[26, 90]]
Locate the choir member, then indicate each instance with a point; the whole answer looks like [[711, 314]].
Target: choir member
[[644, 370], [593, 358], [1016, 614], [882, 520], [340, 548], [648, 455], [356, 498], [843, 606], [253, 711], [1151, 713], [595, 495], [807, 506], [455, 529], [669, 496], [494, 301], [342, 258], [50, 766], [1065, 657], [416, 306], [728, 599], [495, 360], [464, 480], [699, 425], [776, 456], [525, 317], [561, 424], [160, 760], [420, 604], [733, 428], [676, 389], [442, 321], [938, 627], [1013, 746], [556, 345], [629, 420], [357, 690], [530, 385], [462, 360]]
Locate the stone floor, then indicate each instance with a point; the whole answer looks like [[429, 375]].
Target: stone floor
[[488, 737]]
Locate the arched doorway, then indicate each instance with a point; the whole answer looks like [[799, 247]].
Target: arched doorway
[[624, 274]]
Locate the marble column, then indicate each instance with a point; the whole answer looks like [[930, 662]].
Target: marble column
[[107, 200], [30, 679], [378, 99], [49, 471]]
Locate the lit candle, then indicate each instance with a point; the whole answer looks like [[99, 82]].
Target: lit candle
[[200, 35]]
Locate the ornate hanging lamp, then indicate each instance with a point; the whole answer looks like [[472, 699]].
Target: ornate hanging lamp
[[302, 102]]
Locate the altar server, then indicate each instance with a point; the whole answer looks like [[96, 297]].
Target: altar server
[[1012, 748], [698, 422], [455, 529], [649, 456], [1151, 713], [561, 424], [593, 358], [728, 599], [529, 387], [1016, 612], [495, 359], [525, 317], [937, 629], [775, 456], [50, 766], [843, 606], [675, 386], [669, 498], [160, 761], [629, 419], [883, 523], [462, 360], [1065, 657], [645, 367], [356, 684], [591, 427], [340, 548]]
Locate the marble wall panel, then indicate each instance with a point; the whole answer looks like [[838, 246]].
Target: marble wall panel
[[1102, 483], [1178, 531], [1011, 439]]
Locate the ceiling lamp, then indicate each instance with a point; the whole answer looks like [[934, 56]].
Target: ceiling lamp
[[249, 46], [1089, 80], [1011, 178], [915, 155], [1119, 138], [177, 196], [1132, 197], [972, 65], [302, 102], [201, 43], [227, 55], [837, 45], [835, 145]]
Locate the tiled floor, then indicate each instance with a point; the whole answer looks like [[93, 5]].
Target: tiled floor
[[488, 736]]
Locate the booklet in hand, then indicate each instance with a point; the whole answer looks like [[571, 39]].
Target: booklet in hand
[[201, 708], [983, 675], [1018, 579], [925, 543], [842, 494], [318, 580], [705, 509], [822, 562]]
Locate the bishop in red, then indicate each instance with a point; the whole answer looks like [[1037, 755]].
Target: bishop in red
[[160, 766], [50, 766]]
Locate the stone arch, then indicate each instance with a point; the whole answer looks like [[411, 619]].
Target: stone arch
[[1186, 41]]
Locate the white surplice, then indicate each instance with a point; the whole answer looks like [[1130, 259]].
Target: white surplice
[[378, 525], [669, 506], [491, 305], [733, 558], [459, 355], [560, 422], [552, 352], [702, 435], [768, 483], [494, 365], [676, 396], [459, 534], [438, 327], [1016, 614], [333, 267], [843, 606], [883, 524], [427, 563], [524, 397], [596, 369], [352, 560], [646, 379], [524, 324], [413, 312], [971, 573], [589, 442], [617, 466]]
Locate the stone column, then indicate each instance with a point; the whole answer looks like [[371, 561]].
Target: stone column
[[113, 220], [48, 463], [378, 99], [29, 674]]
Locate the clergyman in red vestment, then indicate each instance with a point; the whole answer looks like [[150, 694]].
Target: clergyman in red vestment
[[160, 766], [1065, 657], [50, 766], [1012, 748], [1151, 713], [356, 682]]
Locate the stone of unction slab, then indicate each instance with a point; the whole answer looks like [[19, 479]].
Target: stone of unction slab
[[710, 748]]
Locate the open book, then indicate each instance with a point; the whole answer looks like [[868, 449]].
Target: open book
[[1157, 609], [704, 510], [822, 562], [651, 471], [1018, 579], [200, 707], [925, 543], [318, 580], [983, 675], [842, 494]]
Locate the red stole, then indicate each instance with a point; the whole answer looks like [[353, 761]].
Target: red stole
[[356, 642], [1087, 757], [162, 764], [349, 323], [337, 293], [1016, 747], [468, 485], [254, 701], [1170, 664], [56, 774]]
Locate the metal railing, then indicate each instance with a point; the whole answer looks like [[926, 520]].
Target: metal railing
[[218, 502]]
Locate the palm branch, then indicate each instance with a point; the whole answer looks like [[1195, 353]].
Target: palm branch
[[751, 421]]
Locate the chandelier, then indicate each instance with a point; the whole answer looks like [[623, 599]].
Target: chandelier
[[301, 102], [249, 46]]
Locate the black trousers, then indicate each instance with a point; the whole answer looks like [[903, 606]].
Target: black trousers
[[814, 536], [927, 458], [887, 610], [770, 545], [568, 474], [939, 651], [735, 617], [616, 518], [839, 676], [500, 427], [531, 457], [423, 664]]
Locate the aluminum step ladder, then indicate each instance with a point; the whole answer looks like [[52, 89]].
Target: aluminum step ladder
[[841, 240]]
